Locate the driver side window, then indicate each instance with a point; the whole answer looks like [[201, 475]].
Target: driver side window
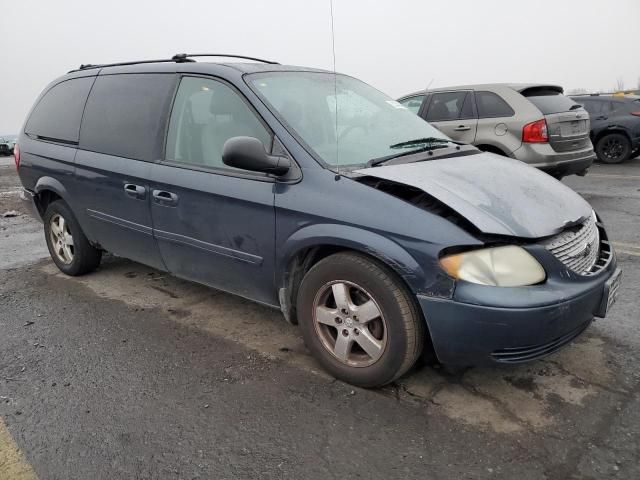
[[206, 113]]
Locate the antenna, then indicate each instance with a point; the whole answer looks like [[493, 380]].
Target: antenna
[[428, 86], [335, 87]]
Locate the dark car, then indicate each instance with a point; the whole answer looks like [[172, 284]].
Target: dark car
[[615, 125], [316, 194], [7, 143]]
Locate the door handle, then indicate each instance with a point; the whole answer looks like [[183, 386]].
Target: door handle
[[135, 191], [461, 128], [601, 117], [163, 197]]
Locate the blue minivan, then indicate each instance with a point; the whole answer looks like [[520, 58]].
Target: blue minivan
[[316, 194]]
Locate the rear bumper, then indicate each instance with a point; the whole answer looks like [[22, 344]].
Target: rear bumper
[[568, 167], [471, 334], [544, 157], [28, 199]]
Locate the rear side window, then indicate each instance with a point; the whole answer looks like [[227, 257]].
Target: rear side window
[[58, 113], [549, 101], [126, 115], [446, 106], [491, 105], [413, 103]]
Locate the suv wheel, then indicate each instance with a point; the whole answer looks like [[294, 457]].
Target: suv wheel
[[613, 148], [68, 246], [358, 320]]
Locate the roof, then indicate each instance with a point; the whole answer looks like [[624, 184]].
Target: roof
[[607, 96], [247, 67], [518, 87]]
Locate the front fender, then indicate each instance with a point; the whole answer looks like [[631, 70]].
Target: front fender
[[365, 241]]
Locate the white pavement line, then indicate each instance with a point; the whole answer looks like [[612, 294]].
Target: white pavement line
[[9, 193], [628, 245], [611, 175], [628, 252], [13, 465]]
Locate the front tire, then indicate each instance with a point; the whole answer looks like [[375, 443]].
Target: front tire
[[358, 320], [68, 246], [613, 148]]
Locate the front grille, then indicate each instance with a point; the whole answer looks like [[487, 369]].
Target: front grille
[[533, 352], [578, 248]]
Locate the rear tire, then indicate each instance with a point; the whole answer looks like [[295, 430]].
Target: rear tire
[[613, 148], [358, 320], [68, 246]]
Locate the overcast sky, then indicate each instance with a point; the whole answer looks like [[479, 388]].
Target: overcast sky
[[397, 46]]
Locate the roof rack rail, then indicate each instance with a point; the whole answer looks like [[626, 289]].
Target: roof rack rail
[[178, 58], [88, 66], [184, 57]]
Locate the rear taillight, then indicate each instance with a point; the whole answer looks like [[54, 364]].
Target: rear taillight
[[535, 132], [16, 155], [637, 114]]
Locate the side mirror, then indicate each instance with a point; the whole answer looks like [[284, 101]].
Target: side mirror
[[248, 153]]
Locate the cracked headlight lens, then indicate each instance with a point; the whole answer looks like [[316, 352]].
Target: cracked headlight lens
[[509, 266]]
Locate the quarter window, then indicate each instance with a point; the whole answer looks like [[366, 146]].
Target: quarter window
[[446, 106], [125, 115], [206, 113], [413, 103], [57, 115], [491, 105]]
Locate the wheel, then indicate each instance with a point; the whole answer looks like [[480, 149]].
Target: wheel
[[68, 246], [358, 320], [613, 148]]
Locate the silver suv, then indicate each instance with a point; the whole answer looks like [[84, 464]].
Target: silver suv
[[533, 123]]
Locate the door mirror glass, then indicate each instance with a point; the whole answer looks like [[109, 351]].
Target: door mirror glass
[[247, 153]]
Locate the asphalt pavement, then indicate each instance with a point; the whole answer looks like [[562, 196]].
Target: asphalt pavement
[[131, 373]]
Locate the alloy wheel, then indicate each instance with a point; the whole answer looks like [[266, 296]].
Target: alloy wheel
[[61, 239], [613, 149], [349, 323]]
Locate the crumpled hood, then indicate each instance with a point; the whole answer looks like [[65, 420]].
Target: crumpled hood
[[496, 194]]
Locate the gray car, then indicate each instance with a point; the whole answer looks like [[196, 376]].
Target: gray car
[[533, 123]]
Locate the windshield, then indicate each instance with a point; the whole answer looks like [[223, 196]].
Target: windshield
[[369, 124]]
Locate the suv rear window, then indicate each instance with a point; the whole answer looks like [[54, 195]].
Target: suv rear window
[[126, 115], [57, 115], [548, 101]]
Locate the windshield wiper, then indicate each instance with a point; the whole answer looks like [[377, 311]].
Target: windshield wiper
[[420, 141], [428, 144]]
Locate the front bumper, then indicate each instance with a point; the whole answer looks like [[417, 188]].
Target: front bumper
[[520, 330], [28, 199]]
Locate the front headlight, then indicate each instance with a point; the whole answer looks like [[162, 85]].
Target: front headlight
[[509, 266]]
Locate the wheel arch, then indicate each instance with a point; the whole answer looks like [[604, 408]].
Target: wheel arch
[[486, 147], [48, 190], [610, 130], [311, 244]]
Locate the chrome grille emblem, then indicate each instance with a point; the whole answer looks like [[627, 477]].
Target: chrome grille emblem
[[578, 248]]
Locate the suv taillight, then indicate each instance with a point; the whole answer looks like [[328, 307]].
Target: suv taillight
[[535, 132], [16, 155]]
